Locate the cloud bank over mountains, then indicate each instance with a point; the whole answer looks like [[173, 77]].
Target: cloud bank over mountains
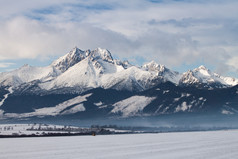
[[174, 33]]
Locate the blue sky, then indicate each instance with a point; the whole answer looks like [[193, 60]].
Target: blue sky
[[181, 34]]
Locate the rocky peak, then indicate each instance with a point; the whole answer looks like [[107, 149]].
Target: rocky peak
[[202, 67], [125, 64], [188, 78], [101, 54], [70, 59], [203, 71], [153, 66]]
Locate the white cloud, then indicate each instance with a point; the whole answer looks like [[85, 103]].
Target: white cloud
[[27, 38], [233, 62], [5, 64], [172, 32]]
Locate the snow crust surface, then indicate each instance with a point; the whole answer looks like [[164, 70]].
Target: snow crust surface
[[183, 145]]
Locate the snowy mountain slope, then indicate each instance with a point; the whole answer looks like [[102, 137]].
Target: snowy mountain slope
[[27, 74], [87, 73], [228, 80], [205, 77], [97, 68], [79, 71], [132, 106], [162, 71]]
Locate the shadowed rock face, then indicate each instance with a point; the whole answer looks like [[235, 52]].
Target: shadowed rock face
[[163, 99]]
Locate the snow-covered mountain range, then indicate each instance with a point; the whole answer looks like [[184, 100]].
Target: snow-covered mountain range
[[93, 83], [84, 70]]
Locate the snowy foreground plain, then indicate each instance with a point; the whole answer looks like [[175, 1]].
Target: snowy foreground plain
[[210, 144]]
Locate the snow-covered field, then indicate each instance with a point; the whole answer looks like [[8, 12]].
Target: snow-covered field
[[212, 145]]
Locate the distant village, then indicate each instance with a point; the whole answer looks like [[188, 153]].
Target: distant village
[[38, 130]]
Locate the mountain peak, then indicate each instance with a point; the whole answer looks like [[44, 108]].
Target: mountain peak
[[152, 63], [153, 66], [203, 71], [76, 55], [91, 68], [76, 52], [24, 66], [202, 67], [103, 54], [68, 60]]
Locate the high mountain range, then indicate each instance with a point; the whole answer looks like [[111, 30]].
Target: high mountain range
[[92, 83]]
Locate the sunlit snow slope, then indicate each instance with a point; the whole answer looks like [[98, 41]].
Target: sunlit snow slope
[[84, 70]]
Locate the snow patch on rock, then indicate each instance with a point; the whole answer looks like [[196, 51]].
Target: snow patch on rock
[[56, 110], [6, 96], [132, 106], [183, 107], [226, 112], [75, 109], [98, 104], [176, 99]]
